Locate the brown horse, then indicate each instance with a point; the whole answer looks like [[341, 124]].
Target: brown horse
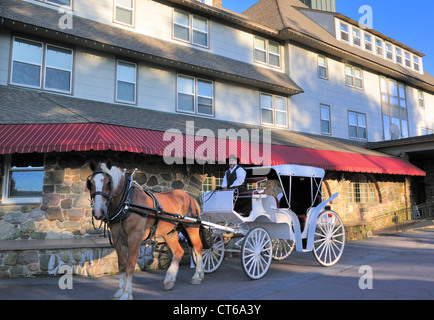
[[107, 186]]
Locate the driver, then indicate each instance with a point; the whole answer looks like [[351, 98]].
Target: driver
[[235, 176]]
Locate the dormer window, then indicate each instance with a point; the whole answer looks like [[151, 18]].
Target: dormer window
[[345, 36], [357, 37], [208, 2], [389, 51], [368, 42], [416, 63], [379, 47], [398, 53], [408, 59]]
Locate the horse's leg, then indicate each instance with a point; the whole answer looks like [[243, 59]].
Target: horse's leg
[[173, 243], [134, 240], [198, 276], [121, 251]]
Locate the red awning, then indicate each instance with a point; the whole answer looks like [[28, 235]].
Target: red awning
[[28, 138]]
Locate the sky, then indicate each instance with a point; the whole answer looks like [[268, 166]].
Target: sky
[[409, 22]]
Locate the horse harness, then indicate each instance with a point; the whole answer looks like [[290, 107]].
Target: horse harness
[[126, 207]]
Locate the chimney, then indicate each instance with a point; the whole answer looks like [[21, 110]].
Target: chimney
[[217, 3]]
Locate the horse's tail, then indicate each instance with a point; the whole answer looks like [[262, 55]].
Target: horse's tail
[[194, 209]]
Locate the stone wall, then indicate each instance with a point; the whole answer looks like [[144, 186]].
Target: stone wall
[[392, 193], [65, 209], [87, 260]]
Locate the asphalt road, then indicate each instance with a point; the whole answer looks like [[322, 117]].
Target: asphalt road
[[386, 267]]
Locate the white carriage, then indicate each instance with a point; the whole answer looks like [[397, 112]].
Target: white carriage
[[284, 210]]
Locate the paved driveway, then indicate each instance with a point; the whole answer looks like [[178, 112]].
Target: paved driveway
[[398, 266]]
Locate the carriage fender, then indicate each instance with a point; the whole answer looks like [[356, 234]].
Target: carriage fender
[[313, 218]]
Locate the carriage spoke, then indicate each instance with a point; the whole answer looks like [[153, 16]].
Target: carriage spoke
[[212, 258], [256, 253], [329, 238]]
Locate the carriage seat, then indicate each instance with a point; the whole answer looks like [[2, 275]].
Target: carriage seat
[[256, 179], [250, 192]]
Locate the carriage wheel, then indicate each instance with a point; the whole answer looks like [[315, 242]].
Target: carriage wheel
[[256, 253], [212, 258], [282, 248], [329, 238]]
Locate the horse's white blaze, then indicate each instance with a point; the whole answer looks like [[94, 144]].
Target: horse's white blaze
[[98, 205]]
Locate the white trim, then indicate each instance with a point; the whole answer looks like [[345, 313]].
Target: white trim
[[126, 81], [191, 29], [56, 68], [195, 96], [41, 65], [6, 199], [132, 10]]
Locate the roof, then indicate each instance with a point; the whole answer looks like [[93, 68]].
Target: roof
[[42, 21], [44, 138], [297, 22], [40, 122], [290, 170], [27, 106]]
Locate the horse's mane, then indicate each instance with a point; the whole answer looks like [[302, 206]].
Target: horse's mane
[[115, 173]]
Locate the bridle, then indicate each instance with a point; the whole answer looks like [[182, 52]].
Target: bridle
[[104, 217]]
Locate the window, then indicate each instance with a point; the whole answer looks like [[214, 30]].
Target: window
[[395, 128], [353, 77], [126, 81], [322, 67], [33, 61], [274, 110], [208, 2], [190, 28], [357, 125], [420, 99], [379, 46], [368, 42], [27, 63], [58, 69], [398, 53], [267, 52], [344, 32], [389, 51], [64, 3], [361, 190], [376, 45], [407, 60], [393, 92], [195, 95], [325, 119], [357, 37], [416, 63], [23, 179], [426, 131], [124, 12]]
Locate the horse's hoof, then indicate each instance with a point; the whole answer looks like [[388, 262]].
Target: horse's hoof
[[118, 294], [169, 286], [195, 281], [126, 296]]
